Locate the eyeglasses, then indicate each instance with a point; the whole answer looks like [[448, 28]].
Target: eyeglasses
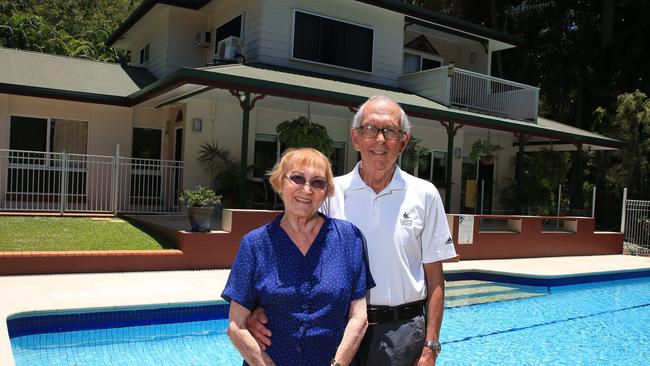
[[299, 180], [371, 131]]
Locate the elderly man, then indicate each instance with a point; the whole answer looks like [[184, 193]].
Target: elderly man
[[407, 237]]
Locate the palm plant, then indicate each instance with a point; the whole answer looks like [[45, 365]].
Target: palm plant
[[223, 170]]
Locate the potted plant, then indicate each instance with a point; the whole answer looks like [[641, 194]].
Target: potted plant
[[200, 203], [484, 150], [302, 132]]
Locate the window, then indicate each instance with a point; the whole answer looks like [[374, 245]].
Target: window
[[332, 42], [48, 135], [267, 151], [38, 171], [144, 54], [338, 158], [418, 62], [231, 28]]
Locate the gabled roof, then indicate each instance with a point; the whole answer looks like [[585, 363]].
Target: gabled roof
[[41, 74], [394, 5]]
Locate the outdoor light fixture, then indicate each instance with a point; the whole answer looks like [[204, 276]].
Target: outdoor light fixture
[[472, 57], [198, 124]]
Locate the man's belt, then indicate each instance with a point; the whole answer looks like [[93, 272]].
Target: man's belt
[[384, 314]]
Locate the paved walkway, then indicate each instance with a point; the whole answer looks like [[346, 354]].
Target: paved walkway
[[110, 290]]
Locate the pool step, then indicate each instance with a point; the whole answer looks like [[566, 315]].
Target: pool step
[[470, 292]]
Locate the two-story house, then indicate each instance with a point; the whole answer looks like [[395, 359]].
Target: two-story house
[[231, 71]]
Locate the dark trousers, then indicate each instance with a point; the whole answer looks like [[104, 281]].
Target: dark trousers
[[397, 343]]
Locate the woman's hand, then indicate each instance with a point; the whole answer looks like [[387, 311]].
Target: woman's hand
[[243, 339]]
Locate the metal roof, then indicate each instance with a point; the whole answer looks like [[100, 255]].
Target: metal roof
[[41, 71], [49, 76], [186, 82]]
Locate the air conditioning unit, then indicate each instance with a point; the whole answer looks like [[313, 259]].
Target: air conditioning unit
[[228, 49], [202, 39]]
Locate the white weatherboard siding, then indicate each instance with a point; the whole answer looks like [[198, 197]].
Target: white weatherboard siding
[[152, 29], [277, 27], [181, 48]]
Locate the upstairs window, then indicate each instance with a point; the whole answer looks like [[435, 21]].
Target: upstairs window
[[417, 62], [144, 54], [332, 42], [231, 28], [420, 55]]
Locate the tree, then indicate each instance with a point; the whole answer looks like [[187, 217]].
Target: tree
[[77, 28], [629, 122], [544, 171]]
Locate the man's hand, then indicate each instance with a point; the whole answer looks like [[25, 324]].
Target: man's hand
[[427, 357], [255, 323]]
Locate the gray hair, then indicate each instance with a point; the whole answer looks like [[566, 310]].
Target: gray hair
[[404, 123]]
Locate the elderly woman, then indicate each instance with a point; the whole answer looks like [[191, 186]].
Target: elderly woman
[[308, 271]]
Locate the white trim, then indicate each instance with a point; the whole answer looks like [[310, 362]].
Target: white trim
[[293, 31]]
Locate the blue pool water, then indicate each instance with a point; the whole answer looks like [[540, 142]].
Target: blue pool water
[[604, 323]]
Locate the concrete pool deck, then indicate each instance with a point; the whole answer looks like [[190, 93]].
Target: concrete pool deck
[[19, 294]]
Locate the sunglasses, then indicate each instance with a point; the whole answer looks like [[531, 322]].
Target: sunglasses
[[299, 180]]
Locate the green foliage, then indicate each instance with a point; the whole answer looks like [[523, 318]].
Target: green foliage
[[77, 28], [222, 168], [414, 153], [73, 233], [543, 172], [199, 197], [481, 148], [301, 132], [629, 122]]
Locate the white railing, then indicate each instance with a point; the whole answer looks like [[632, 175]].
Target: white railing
[[61, 182], [490, 95], [475, 92]]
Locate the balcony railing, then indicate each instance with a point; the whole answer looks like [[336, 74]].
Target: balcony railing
[[38, 181], [475, 92]]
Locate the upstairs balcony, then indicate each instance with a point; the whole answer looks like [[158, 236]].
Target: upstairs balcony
[[472, 91]]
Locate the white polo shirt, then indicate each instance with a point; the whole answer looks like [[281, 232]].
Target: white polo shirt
[[404, 226]]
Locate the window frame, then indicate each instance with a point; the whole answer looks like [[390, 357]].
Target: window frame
[[422, 56], [292, 44]]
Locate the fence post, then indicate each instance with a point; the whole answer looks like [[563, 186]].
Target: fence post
[[482, 193], [114, 190], [63, 182], [593, 203], [623, 210]]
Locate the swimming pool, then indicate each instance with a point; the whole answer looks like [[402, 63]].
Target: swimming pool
[[602, 323]]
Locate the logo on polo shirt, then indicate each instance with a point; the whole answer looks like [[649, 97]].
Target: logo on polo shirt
[[449, 241], [406, 219]]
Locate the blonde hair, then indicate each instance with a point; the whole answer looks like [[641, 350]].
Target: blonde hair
[[300, 157]]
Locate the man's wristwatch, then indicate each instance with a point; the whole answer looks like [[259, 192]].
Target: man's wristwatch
[[334, 362], [434, 345]]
